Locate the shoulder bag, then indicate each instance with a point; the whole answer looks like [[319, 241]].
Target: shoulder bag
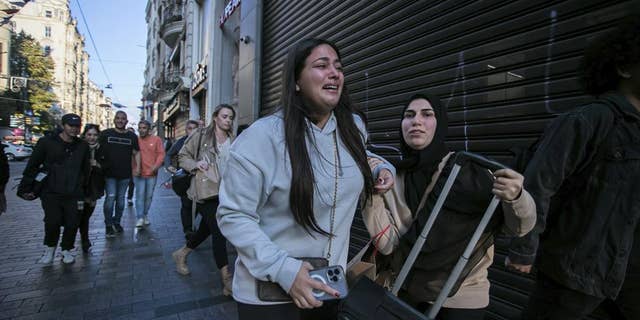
[[181, 179]]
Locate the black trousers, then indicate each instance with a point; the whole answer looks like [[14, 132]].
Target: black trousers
[[85, 216], [553, 301], [130, 189], [209, 227], [185, 214], [289, 311], [60, 211]]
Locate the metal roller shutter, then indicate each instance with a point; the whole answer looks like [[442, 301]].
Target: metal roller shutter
[[503, 68]]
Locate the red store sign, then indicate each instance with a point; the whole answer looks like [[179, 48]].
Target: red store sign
[[228, 11]]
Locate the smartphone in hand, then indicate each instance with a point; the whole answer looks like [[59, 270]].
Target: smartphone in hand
[[334, 277]]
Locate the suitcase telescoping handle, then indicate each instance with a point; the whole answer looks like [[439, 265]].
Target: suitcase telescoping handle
[[461, 159]]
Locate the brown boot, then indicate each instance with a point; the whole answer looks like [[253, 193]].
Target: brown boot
[[227, 278], [180, 257]]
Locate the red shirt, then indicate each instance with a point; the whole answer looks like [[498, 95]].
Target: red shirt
[[151, 155]]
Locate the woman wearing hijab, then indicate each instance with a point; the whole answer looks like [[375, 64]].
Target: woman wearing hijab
[[425, 159]]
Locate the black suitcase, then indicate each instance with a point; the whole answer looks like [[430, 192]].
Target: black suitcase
[[369, 301]]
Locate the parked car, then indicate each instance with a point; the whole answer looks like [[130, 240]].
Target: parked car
[[17, 152]]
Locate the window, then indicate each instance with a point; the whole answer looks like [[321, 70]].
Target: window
[[47, 31], [48, 13], [46, 50]]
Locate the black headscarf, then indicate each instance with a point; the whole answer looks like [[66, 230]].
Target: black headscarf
[[419, 165]]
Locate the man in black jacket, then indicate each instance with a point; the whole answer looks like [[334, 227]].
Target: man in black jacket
[[171, 160], [585, 179], [61, 161]]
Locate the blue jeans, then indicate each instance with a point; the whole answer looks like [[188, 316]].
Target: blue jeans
[[115, 190], [144, 194]]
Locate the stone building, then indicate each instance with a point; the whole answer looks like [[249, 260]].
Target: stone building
[[51, 24], [167, 82]]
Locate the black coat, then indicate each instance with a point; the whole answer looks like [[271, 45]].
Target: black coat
[[66, 164], [95, 183], [585, 179]]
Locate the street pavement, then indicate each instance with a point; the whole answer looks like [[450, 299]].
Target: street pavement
[[131, 276]]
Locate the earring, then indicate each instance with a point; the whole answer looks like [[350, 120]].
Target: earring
[[297, 88]]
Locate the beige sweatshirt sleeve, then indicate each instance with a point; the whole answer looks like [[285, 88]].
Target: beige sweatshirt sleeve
[[387, 219], [519, 215]]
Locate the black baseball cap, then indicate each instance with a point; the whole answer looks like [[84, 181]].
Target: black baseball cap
[[71, 119]]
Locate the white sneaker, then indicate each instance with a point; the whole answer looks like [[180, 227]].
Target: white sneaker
[[67, 257], [47, 256], [140, 223], [146, 220]]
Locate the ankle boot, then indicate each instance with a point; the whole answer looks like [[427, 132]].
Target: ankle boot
[[47, 256], [227, 279], [180, 258]]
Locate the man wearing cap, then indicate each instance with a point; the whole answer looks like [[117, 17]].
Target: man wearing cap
[[62, 161], [119, 146]]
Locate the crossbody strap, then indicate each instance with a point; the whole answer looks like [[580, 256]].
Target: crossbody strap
[[199, 142]]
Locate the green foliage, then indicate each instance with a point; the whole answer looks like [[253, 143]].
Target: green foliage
[[28, 60]]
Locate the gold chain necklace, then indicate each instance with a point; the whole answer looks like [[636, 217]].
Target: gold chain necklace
[[335, 191]]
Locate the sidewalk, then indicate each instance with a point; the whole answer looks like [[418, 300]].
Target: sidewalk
[[131, 276]]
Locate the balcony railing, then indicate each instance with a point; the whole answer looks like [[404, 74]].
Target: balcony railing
[[171, 23]]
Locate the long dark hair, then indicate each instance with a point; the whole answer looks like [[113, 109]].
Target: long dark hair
[[295, 114], [210, 131], [88, 127]]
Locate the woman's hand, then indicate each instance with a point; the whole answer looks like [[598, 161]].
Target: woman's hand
[[384, 180], [302, 289], [507, 184], [203, 165], [524, 268]]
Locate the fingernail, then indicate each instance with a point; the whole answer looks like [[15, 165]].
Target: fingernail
[[337, 295]]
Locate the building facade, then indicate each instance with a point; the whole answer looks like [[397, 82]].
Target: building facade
[[166, 77], [8, 8], [50, 23], [102, 112], [201, 53]]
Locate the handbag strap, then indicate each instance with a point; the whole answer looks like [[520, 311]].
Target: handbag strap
[[378, 236], [199, 142]]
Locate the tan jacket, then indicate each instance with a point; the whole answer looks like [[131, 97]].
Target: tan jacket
[[204, 185], [390, 209]]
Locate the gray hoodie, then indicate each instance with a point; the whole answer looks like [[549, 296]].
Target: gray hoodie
[[254, 212]]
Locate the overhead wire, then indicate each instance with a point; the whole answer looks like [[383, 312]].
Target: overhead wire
[[106, 75]]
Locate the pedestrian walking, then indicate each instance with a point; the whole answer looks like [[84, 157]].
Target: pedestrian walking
[[95, 183], [61, 162], [171, 160], [279, 194], [585, 179], [120, 147], [205, 153], [131, 187], [151, 159]]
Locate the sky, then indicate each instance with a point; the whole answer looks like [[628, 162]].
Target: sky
[[120, 34]]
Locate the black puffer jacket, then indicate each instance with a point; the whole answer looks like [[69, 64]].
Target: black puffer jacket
[[66, 164]]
